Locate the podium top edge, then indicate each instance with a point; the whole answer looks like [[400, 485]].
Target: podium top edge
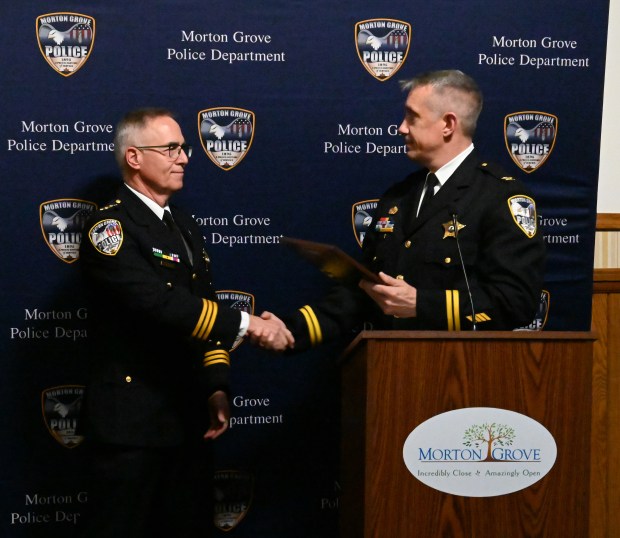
[[473, 335]]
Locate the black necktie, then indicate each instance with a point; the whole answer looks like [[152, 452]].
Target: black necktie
[[179, 240], [431, 183]]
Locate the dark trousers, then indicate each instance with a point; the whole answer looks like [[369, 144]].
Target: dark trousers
[[150, 492]]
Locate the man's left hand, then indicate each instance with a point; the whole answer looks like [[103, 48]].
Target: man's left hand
[[219, 412], [394, 296]]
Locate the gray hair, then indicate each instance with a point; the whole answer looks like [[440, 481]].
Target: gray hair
[[456, 91], [129, 127]]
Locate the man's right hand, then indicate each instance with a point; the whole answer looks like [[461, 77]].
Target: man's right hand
[[269, 332]]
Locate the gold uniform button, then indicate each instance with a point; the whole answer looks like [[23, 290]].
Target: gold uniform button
[[194, 276], [128, 379], [400, 277], [169, 284], [448, 260], [408, 244]]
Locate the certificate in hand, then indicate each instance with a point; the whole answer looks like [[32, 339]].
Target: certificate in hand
[[331, 260]]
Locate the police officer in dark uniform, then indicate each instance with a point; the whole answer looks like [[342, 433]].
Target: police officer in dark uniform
[[158, 390], [455, 244]]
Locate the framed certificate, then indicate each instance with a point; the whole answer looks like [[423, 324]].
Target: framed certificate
[[331, 260]]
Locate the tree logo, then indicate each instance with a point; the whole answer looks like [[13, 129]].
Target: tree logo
[[488, 435]]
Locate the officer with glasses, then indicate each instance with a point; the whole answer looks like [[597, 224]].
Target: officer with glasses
[[158, 389], [174, 150]]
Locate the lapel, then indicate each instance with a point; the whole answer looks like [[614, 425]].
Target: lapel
[[138, 211], [449, 195], [184, 222], [143, 216]]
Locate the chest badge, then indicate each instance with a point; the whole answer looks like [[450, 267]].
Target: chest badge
[[449, 230]]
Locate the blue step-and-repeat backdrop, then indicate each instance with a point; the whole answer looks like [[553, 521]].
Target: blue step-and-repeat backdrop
[[292, 109]]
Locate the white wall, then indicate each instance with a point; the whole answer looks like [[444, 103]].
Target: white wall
[[609, 175]]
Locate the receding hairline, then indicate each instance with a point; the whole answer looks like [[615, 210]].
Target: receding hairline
[[134, 121]]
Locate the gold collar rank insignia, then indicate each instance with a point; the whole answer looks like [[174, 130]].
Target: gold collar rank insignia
[[448, 228]]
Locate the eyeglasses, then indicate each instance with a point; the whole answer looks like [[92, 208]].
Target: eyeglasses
[[174, 150]]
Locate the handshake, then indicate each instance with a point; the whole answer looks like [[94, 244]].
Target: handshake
[[269, 332]]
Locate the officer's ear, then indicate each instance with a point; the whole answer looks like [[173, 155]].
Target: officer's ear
[[450, 124], [133, 158]]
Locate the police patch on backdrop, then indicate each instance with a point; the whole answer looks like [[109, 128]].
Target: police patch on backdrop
[[233, 495], [61, 411], [107, 236], [66, 40], [226, 134], [530, 138], [542, 314], [362, 214], [523, 210], [62, 224], [382, 46], [237, 300]]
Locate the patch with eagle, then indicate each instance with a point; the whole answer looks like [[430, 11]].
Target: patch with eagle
[[66, 40], [61, 412], [523, 211], [530, 137], [62, 224], [382, 46], [237, 300], [107, 236], [362, 214], [226, 134]]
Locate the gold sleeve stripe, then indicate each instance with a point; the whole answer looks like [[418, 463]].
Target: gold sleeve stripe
[[216, 357], [453, 312], [481, 317], [314, 328], [206, 320]]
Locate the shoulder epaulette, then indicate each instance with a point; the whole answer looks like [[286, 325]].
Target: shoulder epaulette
[[110, 206], [496, 171]]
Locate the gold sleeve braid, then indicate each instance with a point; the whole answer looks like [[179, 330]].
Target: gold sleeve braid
[[206, 320], [218, 356], [453, 312], [314, 328]]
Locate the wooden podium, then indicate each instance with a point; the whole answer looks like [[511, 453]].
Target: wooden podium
[[392, 381]]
